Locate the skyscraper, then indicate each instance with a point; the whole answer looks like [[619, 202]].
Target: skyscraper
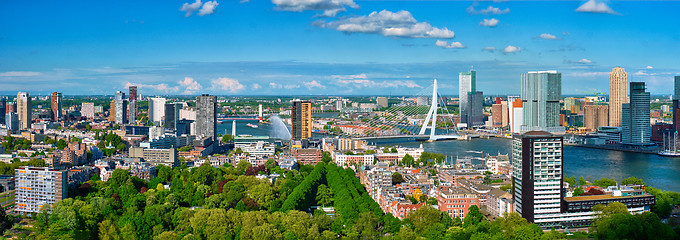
[[206, 116], [541, 95], [12, 121], [537, 174], [636, 128], [172, 115], [618, 95], [24, 110], [156, 110], [3, 110], [112, 110], [467, 82], [87, 110], [132, 95], [475, 114], [37, 186], [301, 120], [56, 106], [676, 104], [120, 102], [595, 116]]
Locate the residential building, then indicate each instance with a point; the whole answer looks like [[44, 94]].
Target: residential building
[[676, 104], [382, 102], [306, 156], [636, 125], [7, 183], [121, 108], [38, 187], [499, 202], [344, 160], [55, 101], [156, 110], [259, 148], [206, 116], [538, 174], [24, 110], [301, 120], [12, 121], [456, 201], [618, 95], [112, 110], [497, 115], [595, 116], [132, 98], [516, 114], [155, 157], [3, 110], [87, 110], [541, 95]]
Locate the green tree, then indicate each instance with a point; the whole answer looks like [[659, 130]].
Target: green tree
[[397, 178], [473, 217], [324, 195], [581, 181], [227, 138], [632, 180], [61, 144], [605, 182], [263, 194], [578, 191]]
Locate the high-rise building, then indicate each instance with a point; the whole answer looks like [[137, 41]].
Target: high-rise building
[[56, 99], [87, 110], [339, 104], [595, 116], [132, 97], [497, 115], [11, 107], [206, 116], [537, 174], [12, 121], [156, 110], [382, 102], [301, 117], [24, 110], [636, 125], [571, 104], [475, 113], [676, 104], [112, 110], [505, 118], [38, 186], [515, 113], [3, 110], [618, 95], [120, 108], [172, 115], [467, 82], [541, 95]]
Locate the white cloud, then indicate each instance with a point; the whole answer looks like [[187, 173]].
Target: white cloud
[[489, 22], [190, 85], [244, 1], [511, 49], [190, 8], [256, 86], [488, 10], [313, 84], [596, 6], [389, 24], [228, 84], [445, 44], [643, 73], [19, 74], [649, 67], [547, 36], [163, 88], [585, 61], [203, 9], [208, 8], [589, 74], [361, 80], [291, 86], [330, 8], [274, 85], [490, 49]]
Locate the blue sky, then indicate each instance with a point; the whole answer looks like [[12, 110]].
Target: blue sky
[[330, 47]]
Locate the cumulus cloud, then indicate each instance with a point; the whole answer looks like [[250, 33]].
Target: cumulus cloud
[[228, 84], [362, 81], [589, 74], [445, 44], [203, 9], [163, 88], [389, 24], [330, 8], [596, 6], [511, 49], [291, 86], [490, 49], [649, 67], [489, 22], [488, 10], [208, 8], [547, 36], [313, 84], [274, 85], [583, 61], [190, 85], [256, 86], [19, 74]]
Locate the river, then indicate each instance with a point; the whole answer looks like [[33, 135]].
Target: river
[[656, 171]]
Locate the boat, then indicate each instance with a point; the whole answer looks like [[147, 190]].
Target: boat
[[670, 149], [252, 125]]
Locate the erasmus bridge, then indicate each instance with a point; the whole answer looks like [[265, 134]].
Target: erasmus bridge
[[412, 118]]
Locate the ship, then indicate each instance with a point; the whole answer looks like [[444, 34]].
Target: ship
[[670, 148], [252, 125]]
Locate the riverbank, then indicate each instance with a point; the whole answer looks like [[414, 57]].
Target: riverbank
[[651, 150]]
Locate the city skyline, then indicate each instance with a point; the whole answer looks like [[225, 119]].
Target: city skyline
[[359, 48]]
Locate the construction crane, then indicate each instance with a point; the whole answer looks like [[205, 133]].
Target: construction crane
[[597, 96]]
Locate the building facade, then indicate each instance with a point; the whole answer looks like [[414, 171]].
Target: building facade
[[37, 187], [676, 104], [595, 116], [155, 157], [132, 98], [469, 99], [87, 110], [618, 95], [55, 100], [156, 110], [301, 120], [636, 125], [541, 95], [24, 110], [206, 116], [121, 110], [382, 102]]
